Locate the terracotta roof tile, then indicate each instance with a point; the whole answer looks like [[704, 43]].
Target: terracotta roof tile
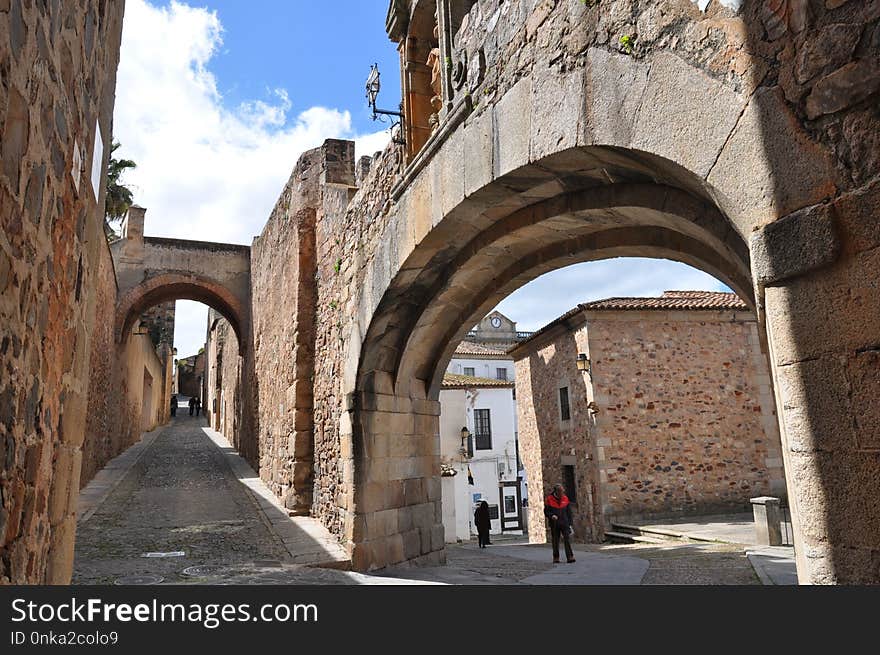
[[670, 300], [457, 381], [473, 348]]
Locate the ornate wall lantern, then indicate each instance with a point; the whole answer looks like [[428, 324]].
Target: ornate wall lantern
[[584, 365], [373, 87], [467, 443]]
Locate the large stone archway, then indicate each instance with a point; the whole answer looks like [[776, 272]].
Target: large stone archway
[[550, 213], [603, 155]]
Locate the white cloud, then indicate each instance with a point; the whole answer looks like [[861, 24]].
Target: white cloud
[[205, 171]]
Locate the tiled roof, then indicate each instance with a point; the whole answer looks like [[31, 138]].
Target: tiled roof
[[457, 381], [473, 348], [670, 300]]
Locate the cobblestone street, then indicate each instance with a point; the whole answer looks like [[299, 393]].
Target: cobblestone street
[[186, 493], [180, 496]]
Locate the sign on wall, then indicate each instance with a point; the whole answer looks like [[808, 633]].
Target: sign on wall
[[77, 166], [97, 160]]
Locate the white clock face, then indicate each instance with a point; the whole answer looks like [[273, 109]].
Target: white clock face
[[496, 322]]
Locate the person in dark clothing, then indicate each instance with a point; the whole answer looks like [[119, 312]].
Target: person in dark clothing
[[173, 405], [482, 522], [198, 405], [557, 509], [192, 406]]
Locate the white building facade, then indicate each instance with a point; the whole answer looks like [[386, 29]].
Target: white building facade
[[478, 399]]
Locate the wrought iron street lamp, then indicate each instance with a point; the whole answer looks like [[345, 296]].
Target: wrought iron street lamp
[[373, 87], [467, 443]]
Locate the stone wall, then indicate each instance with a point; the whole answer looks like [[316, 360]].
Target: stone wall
[[159, 321], [546, 443], [820, 60], [58, 63], [109, 423], [683, 422], [223, 390], [686, 421]]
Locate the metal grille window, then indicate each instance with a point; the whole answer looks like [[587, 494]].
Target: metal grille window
[[564, 407], [469, 371], [501, 374], [482, 429]]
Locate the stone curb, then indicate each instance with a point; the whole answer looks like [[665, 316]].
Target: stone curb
[[766, 580], [93, 495]]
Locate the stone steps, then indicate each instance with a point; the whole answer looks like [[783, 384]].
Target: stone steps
[[656, 535], [628, 538]]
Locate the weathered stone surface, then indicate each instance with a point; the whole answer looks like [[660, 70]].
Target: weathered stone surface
[[615, 85], [856, 214], [844, 87], [512, 121], [861, 133], [15, 136], [864, 383], [810, 417], [555, 124], [770, 166], [697, 114], [794, 245], [49, 280], [825, 312], [830, 49]]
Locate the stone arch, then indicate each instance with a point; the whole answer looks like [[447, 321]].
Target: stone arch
[[543, 216], [579, 204], [180, 286]]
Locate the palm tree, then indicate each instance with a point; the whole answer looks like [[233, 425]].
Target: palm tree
[[119, 197]]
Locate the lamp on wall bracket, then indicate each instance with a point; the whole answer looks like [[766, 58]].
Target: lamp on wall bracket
[[467, 444], [373, 87], [584, 365]]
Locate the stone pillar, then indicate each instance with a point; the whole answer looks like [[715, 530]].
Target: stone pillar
[[133, 226], [397, 515], [822, 302], [417, 94], [768, 522]]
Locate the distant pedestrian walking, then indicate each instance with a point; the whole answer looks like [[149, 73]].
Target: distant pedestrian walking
[[192, 406], [557, 509], [198, 405], [173, 405], [482, 522]]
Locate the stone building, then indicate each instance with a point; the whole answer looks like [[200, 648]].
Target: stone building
[[673, 415]]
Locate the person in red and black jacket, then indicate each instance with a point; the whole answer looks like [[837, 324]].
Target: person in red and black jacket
[[557, 509]]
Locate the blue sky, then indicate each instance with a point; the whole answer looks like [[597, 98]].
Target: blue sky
[[217, 99], [321, 57]]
